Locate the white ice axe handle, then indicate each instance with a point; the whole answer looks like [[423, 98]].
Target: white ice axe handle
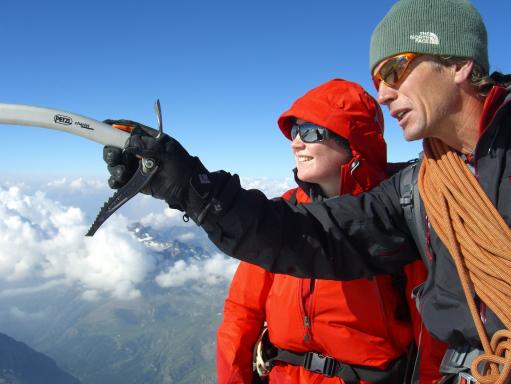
[[116, 135], [19, 114]]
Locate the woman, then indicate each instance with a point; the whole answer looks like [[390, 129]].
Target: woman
[[337, 140]]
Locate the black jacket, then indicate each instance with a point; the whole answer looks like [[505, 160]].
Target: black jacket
[[348, 237]]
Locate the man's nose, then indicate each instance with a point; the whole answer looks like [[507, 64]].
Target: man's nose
[[386, 94]]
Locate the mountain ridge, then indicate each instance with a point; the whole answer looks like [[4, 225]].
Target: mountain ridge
[[20, 364], [166, 336]]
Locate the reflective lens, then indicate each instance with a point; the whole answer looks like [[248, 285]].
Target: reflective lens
[[393, 69], [310, 133]]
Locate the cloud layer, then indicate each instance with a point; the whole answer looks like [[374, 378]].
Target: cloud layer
[[40, 238], [216, 269], [270, 187]]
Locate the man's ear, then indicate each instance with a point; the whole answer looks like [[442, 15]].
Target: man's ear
[[463, 71]]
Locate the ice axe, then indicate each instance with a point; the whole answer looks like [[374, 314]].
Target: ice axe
[[113, 135]]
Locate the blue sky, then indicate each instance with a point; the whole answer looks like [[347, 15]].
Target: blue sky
[[224, 70]]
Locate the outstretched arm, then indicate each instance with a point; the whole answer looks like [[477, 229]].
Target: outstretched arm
[[342, 238]]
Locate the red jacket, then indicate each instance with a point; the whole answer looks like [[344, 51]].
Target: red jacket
[[348, 321], [353, 321], [356, 322]]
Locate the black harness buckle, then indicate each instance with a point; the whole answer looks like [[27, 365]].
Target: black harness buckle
[[316, 362]]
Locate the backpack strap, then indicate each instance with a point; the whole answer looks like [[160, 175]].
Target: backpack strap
[[411, 203]]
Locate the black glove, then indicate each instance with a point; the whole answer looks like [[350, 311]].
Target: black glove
[[176, 166]]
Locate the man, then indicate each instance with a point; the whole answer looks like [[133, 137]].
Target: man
[[429, 62]]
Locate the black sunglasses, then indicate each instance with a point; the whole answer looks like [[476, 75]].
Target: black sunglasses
[[311, 133]]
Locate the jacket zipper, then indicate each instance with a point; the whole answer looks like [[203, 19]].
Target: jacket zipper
[[307, 290]]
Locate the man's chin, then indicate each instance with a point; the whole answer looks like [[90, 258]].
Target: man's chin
[[410, 135]]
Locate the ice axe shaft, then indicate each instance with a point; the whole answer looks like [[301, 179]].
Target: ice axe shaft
[[20, 114], [112, 135]]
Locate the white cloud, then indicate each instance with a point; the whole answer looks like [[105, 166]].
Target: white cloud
[[18, 291], [185, 237], [270, 187], [40, 238], [78, 184], [165, 219], [213, 270], [91, 295], [22, 315]]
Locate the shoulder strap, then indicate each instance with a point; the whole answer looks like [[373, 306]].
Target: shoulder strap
[[411, 203]]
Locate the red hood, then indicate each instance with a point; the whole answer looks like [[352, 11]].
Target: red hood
[[347, 109]]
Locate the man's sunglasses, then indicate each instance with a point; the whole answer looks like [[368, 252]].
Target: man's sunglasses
[[311, 133], [393, 69]]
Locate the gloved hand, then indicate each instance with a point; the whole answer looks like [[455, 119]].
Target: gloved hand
[[176, 166]]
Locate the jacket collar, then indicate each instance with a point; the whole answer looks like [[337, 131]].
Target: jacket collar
[[496, 106], [491, 105]]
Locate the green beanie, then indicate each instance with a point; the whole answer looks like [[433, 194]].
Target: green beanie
[[434, 27]]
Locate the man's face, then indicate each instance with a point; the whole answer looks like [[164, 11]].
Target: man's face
[[424, 101]]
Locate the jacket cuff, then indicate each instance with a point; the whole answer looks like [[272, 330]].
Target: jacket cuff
[[210, 194]]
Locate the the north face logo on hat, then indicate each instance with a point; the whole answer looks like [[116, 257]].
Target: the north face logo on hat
[[426, 38]]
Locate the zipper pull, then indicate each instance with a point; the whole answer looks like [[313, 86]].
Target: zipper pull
[[307, 324]]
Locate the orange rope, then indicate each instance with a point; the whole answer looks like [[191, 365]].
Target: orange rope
[[479, 241]]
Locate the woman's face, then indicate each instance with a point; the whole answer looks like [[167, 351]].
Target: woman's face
[[320, 163]]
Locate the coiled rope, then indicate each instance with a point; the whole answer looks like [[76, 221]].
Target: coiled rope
[[479, 241]]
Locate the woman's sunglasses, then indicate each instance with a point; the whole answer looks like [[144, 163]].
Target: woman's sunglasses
[[310, 133], [393, 69]]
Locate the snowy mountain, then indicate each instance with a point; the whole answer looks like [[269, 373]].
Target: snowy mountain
[[176, 241]]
